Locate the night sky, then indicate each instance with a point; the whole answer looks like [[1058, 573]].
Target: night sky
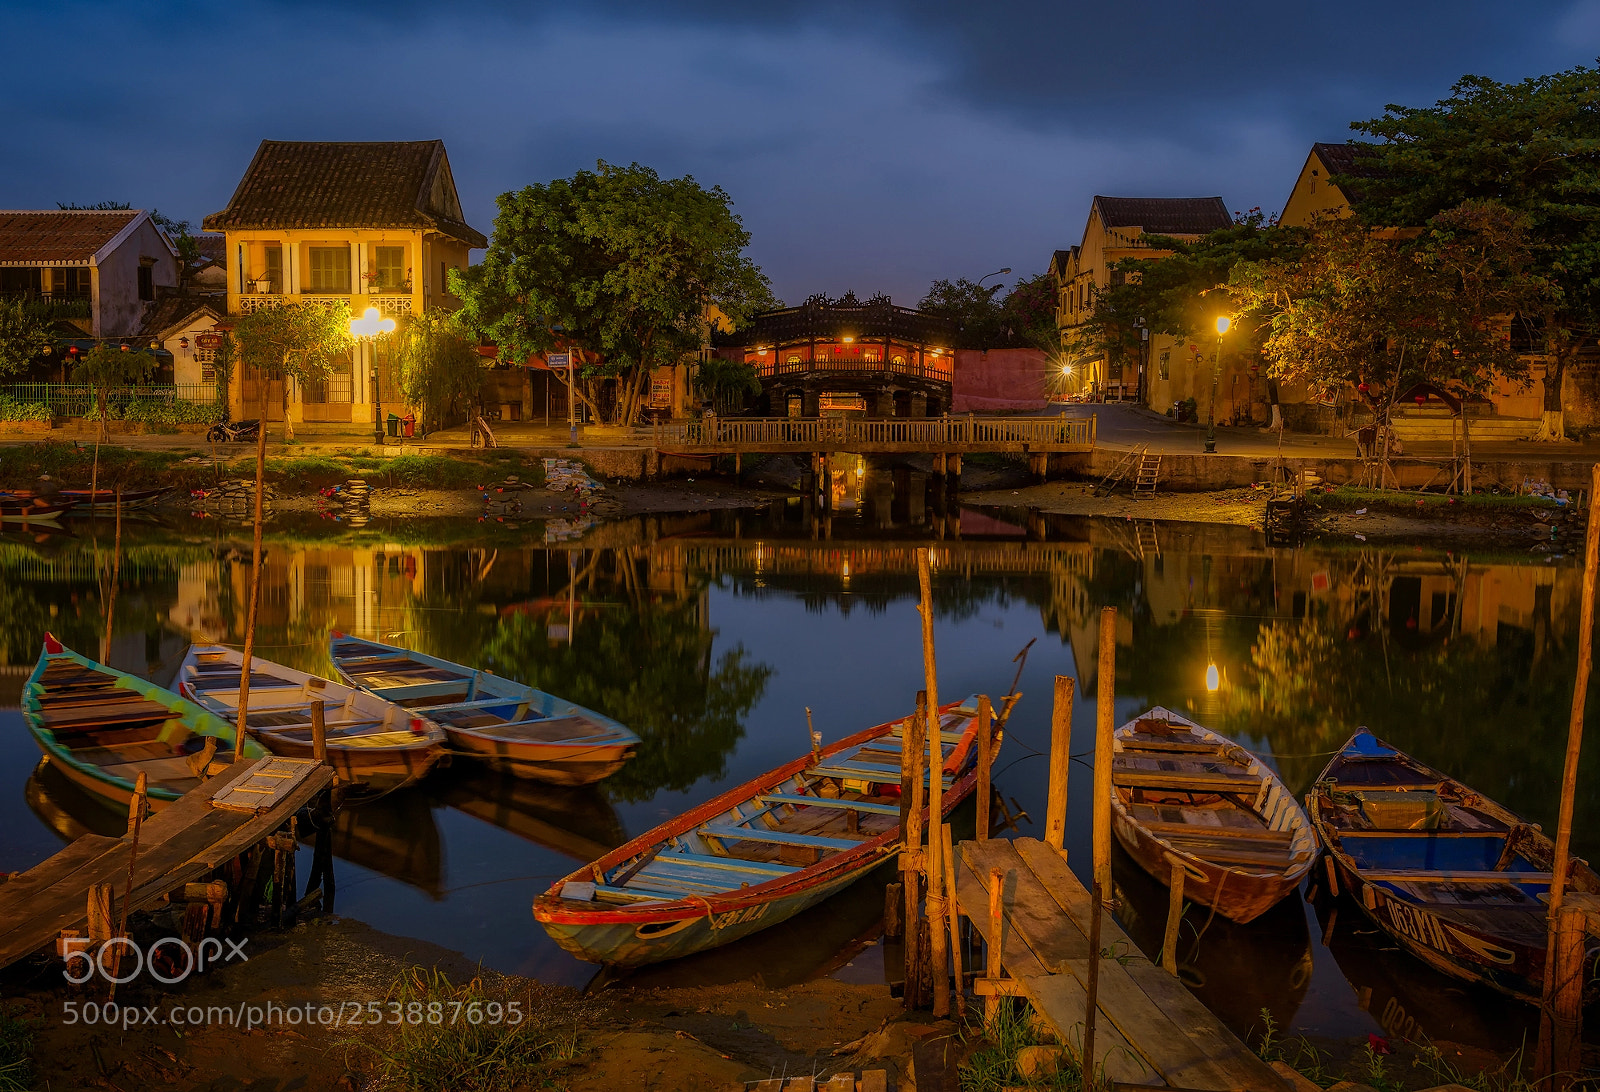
[[873, 146]]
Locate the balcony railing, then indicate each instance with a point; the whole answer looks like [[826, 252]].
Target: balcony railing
[[940, 368], [959, 433]]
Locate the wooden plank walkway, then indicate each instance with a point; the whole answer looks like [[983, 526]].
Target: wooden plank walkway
[[179, 844], [1150, 1031], [734, 435]]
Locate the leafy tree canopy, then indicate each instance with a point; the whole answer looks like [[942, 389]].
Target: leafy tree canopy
[[106, 367], [1532, 146], [23, 335], [440, 369], [1025, 316], [299, 341], [616, 261]]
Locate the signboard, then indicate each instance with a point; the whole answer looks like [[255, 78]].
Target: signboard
[[208, 341], [558, 360], [661, 388]]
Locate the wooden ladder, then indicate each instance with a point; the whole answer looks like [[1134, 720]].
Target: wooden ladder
[[1149, 544], [1125, 466], [1149, 473]]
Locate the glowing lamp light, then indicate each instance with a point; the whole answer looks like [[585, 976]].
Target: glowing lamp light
[[848, 340], [371, 324], [1223, 322], [1213, 678]]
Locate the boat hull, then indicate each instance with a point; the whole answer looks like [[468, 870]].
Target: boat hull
[[378, 769], [1238, 896], [554, 764]]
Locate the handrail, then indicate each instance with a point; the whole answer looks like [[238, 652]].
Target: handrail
[[818, 433]]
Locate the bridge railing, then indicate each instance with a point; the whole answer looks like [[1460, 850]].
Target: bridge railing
[[818, 433]]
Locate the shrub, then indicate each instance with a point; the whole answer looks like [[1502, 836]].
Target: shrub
[[13, 410], [16, 1049]]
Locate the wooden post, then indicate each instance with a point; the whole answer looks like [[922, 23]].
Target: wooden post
[[319, 732], [816, 740], [911, 857], [1169, 940], [1549, 1049], [947, 855], [1566, 1011], [136, 810], [985, 760], [995, 947], [892, 910], [116, 577], [1055, 816], [242, 733], [937, 955], [1106, 715], [1090, 1079]]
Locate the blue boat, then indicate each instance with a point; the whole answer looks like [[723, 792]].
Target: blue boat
[[512, 726], [1456, 879]]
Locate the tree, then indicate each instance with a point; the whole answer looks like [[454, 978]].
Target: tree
[[1532, 146], [23, 335], [970, 306], [617, 262], [719, 378], [105, 367], [223, 362], [296, 341], [439, 368], [1028, 314]]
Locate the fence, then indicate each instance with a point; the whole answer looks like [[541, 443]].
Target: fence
[[77, 399], [969, 433]]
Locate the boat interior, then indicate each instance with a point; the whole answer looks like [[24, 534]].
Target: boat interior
[[851, 796], [1197, 795], [471, 701], [99, 721], [281, 704]]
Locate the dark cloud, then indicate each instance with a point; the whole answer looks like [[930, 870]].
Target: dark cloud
[[873, 146]]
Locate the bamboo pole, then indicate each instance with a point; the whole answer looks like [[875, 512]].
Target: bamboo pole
[[1549, 1049], [319, 732], [996, 946], [1566, 1003], [1169, 940], [136, 809], [937, 955], [1105, 725], [910, 855], [985, 774], [116, 579], [947, 855], [1055, 821], [241, 734], [816, 740]]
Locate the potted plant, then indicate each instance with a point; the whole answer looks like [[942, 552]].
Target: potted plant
[[263, 285], [372, 279]]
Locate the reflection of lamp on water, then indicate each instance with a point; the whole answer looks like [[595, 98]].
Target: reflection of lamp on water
[[1213, 678]]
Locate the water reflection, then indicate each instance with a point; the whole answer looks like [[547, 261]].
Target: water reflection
[[710, 635]]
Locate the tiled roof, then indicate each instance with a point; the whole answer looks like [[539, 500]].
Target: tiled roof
[[59, 235], [169, 312], [371, 184], [213, 248], [1352, 160], [1165, 215]]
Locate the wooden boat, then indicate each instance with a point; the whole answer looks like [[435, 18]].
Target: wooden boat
[[1457, 879], [102, 728], [371, 742], [1185, 794], [512, 726], [86, 500], [754, 856], [26, 510]]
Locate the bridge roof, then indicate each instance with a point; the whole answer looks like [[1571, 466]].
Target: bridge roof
[[872, 320]]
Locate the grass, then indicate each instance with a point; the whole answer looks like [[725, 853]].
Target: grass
[[992, 1067], [1346, 498], [1298, 1052], [16, 1050], [445, 1051]]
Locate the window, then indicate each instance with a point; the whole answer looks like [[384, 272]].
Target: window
[[20, 282], [147, 282], [444, 283], [330, 269], [1165, 354], [69, 284], [391, 266], [273, 266]]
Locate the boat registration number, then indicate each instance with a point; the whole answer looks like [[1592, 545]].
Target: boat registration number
[[739, 917]]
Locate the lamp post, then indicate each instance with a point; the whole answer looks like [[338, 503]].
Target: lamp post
[[1223, 322], [368, 329], [996, 273]]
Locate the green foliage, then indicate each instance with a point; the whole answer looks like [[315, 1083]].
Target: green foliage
[[24, 334], [618, 262], [1298, 1052], [447, 472], [157, 411], [299, 341], [13, 410], [1348, 497], [439, 369], [107, 366], [1528, 146], [16, 1053], [719, 377], [1024, 317], [651, 668], [1389, 310], [992, 1067], [1508, 1078], [464, 1038]]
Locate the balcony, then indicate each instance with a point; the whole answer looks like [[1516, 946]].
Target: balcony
[[50, 307]]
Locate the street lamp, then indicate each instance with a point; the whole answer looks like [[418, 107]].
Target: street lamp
[[369, 328], [1223, 322], [996, 273]]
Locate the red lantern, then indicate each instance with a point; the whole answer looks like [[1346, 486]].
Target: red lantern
[[124, 346], [72, 351], [1421, 398], [1362, 387], [183, 343]]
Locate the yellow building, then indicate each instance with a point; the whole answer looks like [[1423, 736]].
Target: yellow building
[[1164, 369], [369, 224], [1315, 193]]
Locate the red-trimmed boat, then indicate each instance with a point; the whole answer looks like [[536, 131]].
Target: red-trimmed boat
[[757, 854], [26, 510]]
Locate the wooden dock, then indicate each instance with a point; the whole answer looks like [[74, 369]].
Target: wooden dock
[[183, 843], [1150, 1032]]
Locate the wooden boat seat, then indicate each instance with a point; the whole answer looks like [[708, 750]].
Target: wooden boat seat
[[412, 691], [1227, 831], [1409, 875], [1163, 746], [168, 772], [552, 730], [1183, 781], [731, 864], [220, 681], [113, 756], [729, 831], [828, 802]]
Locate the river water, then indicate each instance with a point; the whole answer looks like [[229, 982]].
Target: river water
[[710, 634]]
